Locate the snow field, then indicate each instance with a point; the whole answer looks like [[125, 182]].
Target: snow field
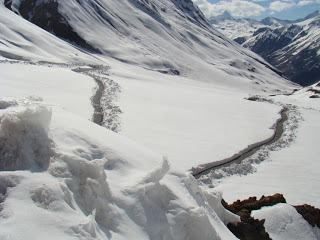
[[91, 183], [54, 85], [292, 171], [192, 123]]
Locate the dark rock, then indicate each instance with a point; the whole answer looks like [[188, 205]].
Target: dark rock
[[241, 207], [240, 40], [310, 214], [253, 229], [249, 229], [47, 16], [314, 90]]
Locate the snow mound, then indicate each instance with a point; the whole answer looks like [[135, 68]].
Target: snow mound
[[24, 140], [88, 183], [7, 102], [93, 185], [284, 222], [158, 173]]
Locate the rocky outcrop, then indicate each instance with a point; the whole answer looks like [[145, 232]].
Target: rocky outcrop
[[46, 15], [310, 214], [246, 206], [253, 229], [250, 228]]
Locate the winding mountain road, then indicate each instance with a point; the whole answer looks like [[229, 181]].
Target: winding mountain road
[[97, 115], [247, 152]]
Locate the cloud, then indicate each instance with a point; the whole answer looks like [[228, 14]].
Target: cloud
[[305, 2], [239, 8], [279, 6]]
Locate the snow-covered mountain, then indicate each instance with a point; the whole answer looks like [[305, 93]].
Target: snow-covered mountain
[[290, 46], [242, 28], [167, 36], [294, 49], [174, 91]]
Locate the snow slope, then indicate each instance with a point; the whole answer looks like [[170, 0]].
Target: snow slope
[[54, 85], [290, 167], [21, 40], [179, 86], [214, 74], [190, 122], [167, 36], [75, 189]]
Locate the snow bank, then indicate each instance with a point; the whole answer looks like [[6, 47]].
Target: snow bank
[[284, 222], [94, 184], [7, 102], [24, 140]]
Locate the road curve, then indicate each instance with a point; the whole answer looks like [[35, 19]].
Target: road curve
[[97, 115], [250, 150]]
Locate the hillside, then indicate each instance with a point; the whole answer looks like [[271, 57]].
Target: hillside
[[290, 46]]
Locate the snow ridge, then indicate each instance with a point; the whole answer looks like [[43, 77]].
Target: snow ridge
[[77, 187]]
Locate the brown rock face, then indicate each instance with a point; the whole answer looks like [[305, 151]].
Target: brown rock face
[[246, 206], [310, 214], [249, 229]]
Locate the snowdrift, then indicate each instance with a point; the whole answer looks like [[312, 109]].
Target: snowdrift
[[67, 178]]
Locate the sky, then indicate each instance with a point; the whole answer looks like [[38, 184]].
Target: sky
[[259, 9]]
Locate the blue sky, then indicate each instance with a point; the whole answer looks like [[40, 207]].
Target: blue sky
[[259, 9]]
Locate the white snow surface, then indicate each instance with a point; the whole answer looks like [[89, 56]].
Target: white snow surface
[[54, 85], [167, 36], [21, 40], [282, 221], [290, 167], [77, 188], [64, 177], [192, 123], [235, 28]]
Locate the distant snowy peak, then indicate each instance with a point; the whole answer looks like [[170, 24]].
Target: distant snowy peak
[[236, 28], [290, 46], [242, 28], [311, 15], [271, 21], [294, 49], [222, 17]]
